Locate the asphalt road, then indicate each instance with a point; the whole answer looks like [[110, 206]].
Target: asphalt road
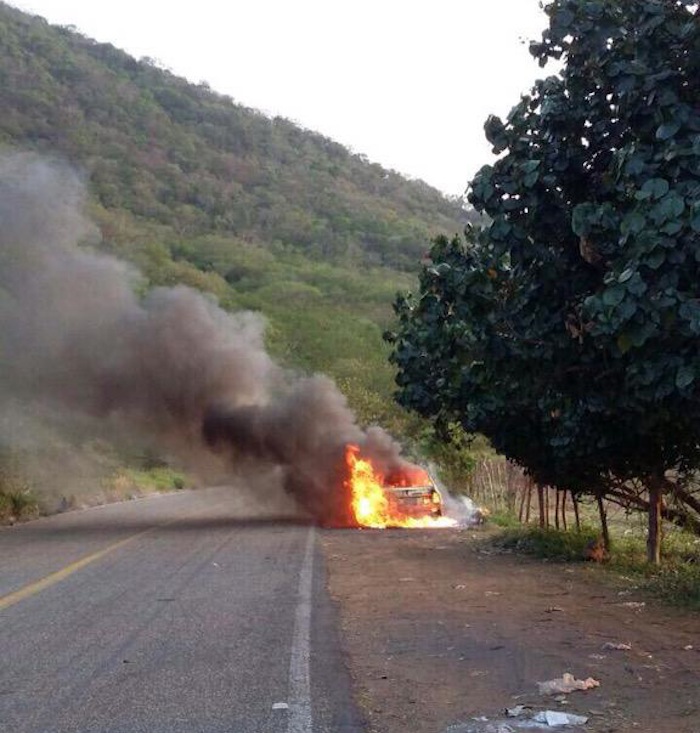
[[176, 614]]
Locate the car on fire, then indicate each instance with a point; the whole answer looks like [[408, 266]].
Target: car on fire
[[418, 497]]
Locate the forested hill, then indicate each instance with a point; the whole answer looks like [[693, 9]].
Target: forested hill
[[180, 154]]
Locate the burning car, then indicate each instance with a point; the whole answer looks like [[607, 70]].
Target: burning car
[[420, 498], [406, 497]]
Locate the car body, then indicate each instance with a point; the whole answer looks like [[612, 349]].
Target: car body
[[417, 500]]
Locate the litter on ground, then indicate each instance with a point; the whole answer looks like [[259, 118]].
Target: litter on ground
[[554, 718], [521, 718], [617, 646], [565, 684]]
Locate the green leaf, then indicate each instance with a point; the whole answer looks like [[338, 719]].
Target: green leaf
[[690, 311], [673, 227], [582, 218], [635, 165], [685, 376], [495, 132], [636, 285], [624, 342], [673, 205], [500, 228], [530, 166], [626, 274], [613, 295], [667, 130], [656, 258], [656, 187], [564, 18], [633, 223]]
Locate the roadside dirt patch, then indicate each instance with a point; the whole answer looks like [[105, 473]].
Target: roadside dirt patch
[[440, 630]]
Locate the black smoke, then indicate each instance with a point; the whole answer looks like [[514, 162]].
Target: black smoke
[[170, 365]]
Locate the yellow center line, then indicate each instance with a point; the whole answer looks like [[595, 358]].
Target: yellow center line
[[49, 580]]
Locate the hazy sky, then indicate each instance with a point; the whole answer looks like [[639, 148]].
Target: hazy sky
[[409, 84]]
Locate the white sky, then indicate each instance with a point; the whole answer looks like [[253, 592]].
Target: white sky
[[409, 83]]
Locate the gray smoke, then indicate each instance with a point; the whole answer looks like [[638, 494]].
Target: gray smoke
[[170, 365]]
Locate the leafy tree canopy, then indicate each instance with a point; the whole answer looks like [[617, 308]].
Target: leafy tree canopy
[[568, 329]]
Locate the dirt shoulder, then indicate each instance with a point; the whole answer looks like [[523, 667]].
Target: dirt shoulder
[[439, 630]]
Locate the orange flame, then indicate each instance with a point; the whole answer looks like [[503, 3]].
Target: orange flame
[[371, 505]]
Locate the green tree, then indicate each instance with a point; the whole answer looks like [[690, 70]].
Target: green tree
[[567, 329]]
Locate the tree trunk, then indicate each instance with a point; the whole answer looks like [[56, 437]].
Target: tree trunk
[[654, 536], [540, 501], [603, 522], [574, 501], [556, 508], [523, 495], [546, 507], [563, 511]]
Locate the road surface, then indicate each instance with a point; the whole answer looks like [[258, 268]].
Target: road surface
[[174, 614]]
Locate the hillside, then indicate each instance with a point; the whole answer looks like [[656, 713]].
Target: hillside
[[195, 189], [182, 155]]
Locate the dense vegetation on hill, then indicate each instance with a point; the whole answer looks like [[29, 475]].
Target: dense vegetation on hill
[[196, 189], [180, 154]]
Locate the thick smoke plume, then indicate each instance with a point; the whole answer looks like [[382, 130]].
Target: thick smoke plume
[[170, 366]]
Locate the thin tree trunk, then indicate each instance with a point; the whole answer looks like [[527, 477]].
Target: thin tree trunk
[[540, 500], [603, 522], [574, 500], [654, 535], [546, 507], [563, 511], [521, 513], [556, 508]]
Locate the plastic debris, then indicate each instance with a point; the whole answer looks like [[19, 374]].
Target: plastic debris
[[636, 605], [553, 718], [617, 646], [565, 684], [515, 712], [280, 706], [521, 718]]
